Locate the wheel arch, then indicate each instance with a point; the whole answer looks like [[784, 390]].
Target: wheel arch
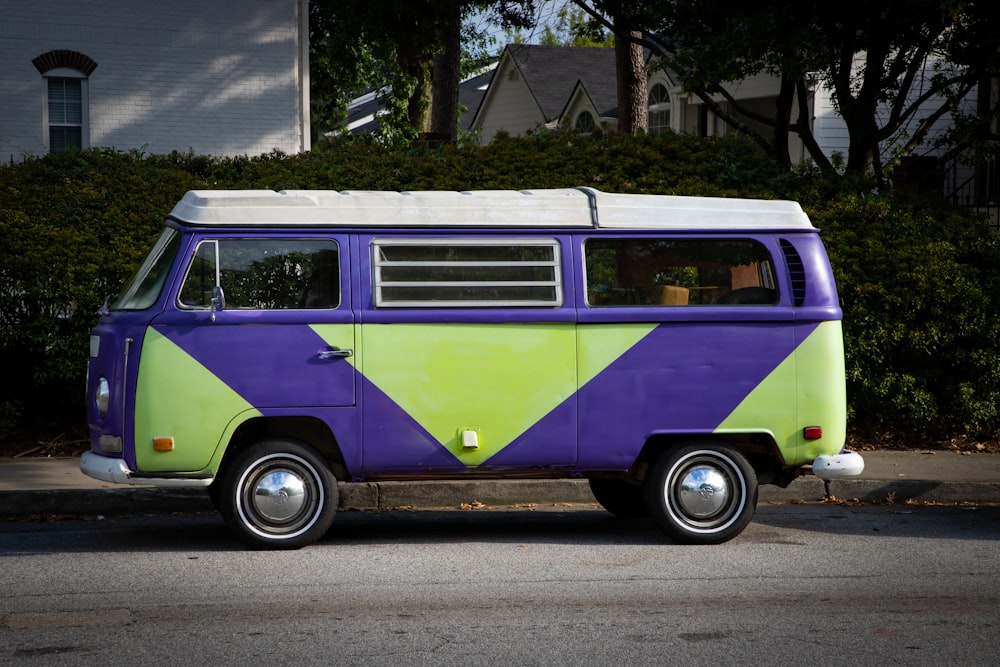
[[307, 430], [760, 450]]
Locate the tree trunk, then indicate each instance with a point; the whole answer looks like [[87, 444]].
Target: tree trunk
[[633, 102], [783, 120], [863, 133], [803, 127], [446, 78], [415, 67]]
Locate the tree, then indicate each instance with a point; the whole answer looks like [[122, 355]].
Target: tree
[[624, 19], [887, 64], [408, 52], [574, 27], [354, 50]]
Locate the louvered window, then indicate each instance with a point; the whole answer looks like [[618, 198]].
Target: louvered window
[[452, 273], [796, 271]]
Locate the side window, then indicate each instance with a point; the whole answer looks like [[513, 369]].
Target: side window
[[451, 273], [664, 272], [264, 274]]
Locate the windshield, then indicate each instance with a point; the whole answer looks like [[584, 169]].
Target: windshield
[[144, 288]]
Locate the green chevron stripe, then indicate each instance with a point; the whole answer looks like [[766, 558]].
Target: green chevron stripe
[[178, 397]]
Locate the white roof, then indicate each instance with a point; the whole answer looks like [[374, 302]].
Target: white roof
[[559, 208]]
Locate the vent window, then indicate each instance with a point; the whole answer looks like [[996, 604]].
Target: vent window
[[796, 272]]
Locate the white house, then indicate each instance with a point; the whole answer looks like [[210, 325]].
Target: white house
[[563, 86], [559, 86], [219, 77]]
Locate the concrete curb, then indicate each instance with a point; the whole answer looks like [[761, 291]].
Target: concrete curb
[[382, 496]]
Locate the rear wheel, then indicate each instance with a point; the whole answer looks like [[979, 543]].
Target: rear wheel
[[619, 497], [278, 494], [702, 493]]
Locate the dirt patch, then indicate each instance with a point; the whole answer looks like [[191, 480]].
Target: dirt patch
[[55, 441]]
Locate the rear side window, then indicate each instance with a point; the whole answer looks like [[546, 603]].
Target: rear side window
[[666, 272], [452, 273], [264, 274]]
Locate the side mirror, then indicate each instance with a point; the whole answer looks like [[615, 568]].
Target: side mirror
[[218, 300]]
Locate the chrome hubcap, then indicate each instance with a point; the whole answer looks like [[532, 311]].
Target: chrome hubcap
[[703, 492], [279, 495]]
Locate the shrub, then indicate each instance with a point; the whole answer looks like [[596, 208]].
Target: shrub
[[72, 228], [918, 279]]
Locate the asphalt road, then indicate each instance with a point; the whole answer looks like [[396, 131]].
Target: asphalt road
[[804, 584]]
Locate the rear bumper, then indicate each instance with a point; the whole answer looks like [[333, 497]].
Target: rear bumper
[[838, 466], [115, 471]]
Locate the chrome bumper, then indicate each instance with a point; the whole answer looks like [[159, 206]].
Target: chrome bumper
[[115, 471]]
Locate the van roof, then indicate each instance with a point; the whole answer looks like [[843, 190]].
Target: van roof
[[557, 208]]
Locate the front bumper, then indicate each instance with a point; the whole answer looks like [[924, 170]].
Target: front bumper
[[115, 471]]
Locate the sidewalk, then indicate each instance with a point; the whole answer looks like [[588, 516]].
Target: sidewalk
[[34, 486]]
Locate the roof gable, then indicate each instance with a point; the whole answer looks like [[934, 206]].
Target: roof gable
[[552, 72]]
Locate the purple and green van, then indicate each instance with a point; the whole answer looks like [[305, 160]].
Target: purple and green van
[[674, 351]]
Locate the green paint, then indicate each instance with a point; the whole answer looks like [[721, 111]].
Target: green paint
[[806, 389], [498, 379], [178, 397], [821, 396], [601, 344]]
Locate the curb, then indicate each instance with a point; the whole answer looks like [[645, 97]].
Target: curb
[[384, 496]]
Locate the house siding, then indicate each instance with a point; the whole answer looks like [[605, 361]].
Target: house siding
[[511, 107], [831, 132], [222, 77]]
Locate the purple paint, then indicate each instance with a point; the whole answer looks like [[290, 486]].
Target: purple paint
[[680, 378], [394, 441], [269, 365]]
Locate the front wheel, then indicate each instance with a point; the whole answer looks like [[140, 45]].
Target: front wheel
[[701, 494], [278, 494]]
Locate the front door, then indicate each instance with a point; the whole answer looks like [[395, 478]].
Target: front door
[[277, 339]]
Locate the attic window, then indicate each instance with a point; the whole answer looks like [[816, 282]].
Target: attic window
[[512, 75], [585, 122]]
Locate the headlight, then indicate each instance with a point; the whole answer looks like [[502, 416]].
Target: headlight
[[103, 398]]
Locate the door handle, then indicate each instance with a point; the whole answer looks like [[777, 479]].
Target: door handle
[[335, 353]]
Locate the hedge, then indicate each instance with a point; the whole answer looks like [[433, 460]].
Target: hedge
[[918, 278]]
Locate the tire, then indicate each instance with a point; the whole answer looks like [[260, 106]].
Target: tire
[[278, 494], [622, 499], [701, 494], [214, 493]]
